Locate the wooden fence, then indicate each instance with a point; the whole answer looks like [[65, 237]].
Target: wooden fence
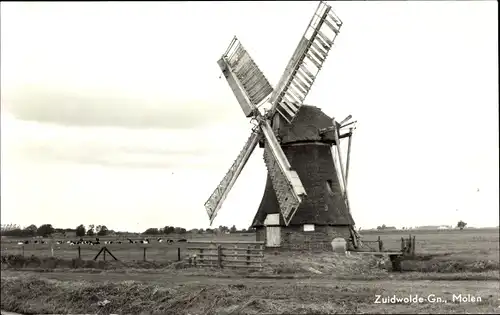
[[378, 244], [139, 253], [226, 254], [407, 245]]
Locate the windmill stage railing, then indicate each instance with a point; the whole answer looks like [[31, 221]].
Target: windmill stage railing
[[226, 254]]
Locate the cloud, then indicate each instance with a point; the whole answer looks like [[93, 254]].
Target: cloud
[[120, 147], [92, 108]]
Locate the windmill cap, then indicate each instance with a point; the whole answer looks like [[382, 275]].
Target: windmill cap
[[306, 126]]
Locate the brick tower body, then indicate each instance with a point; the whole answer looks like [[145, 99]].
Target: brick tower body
[[323, 215]]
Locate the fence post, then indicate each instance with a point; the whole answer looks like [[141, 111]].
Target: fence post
[[79, 252], [248, 255], [402, 244], [178, 254], [201, 255], [23, 250], [104, 253], [219, 255], [52, 250], [144, 255], [413, 247], [380, 244]]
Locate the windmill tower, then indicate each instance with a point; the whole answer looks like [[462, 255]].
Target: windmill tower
[[305, 199]]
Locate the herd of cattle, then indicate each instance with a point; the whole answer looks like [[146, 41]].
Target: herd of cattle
[[97, 242]]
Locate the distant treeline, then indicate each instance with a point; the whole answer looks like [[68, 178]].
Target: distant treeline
[[179, 230], [47, 230]]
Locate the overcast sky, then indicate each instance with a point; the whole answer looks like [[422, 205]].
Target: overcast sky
[[113, 112]]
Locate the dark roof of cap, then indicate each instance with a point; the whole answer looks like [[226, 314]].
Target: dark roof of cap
[[306, 126]]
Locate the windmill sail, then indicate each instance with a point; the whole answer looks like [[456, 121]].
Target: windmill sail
[[286, 183], [306, 62], [213, 204], [247, 81]]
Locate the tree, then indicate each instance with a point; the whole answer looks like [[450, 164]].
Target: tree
[[90, 231], [461, 224], [80, 230], [383, 227], [31, 230], [103, 230], [223, 228], [179, 230], [233, 229], [45, 230], [168, 229], [151, 231]]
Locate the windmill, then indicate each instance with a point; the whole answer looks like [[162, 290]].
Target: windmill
[[286, 114]]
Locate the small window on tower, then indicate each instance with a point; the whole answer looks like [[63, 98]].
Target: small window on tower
[[308, 227], [329, 186]]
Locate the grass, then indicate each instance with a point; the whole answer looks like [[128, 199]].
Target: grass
[[32, 294]]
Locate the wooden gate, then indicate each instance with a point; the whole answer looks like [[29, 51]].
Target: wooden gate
[[226, 254]]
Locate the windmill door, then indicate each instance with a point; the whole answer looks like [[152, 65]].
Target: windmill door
[[273, 236], [273, 230]]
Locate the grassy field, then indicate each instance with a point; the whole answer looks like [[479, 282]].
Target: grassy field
[[155, 251], [450, 262], [472, 243]]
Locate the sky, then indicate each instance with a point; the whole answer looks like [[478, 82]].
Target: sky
[[114, 113]]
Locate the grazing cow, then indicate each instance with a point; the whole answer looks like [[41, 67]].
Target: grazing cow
[[119, 242], [169, 241], [59, 242], [159, 240], [182, 240], [130, 241]]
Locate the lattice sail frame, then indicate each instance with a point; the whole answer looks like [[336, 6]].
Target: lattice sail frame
[[247, 81], [284, 191], [213, 204], [306, 62]]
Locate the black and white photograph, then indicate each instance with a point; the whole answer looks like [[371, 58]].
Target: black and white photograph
[[249, 157]]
